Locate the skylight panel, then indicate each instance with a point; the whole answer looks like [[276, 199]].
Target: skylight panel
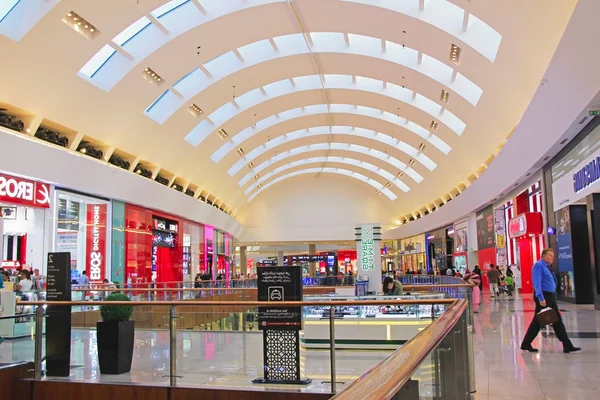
[[99, 59], [167, 8], [131, 31], [6, 6]]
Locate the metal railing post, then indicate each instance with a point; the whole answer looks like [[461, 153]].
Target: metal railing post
[[332, 347], [172, 346], [470, 342], [39, 329]]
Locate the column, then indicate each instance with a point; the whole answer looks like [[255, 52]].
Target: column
[[280, 258], [312, 267], [243, 260], [2, 241], [368, 251]]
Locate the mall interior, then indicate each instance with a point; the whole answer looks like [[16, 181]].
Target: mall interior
[[300, 199]]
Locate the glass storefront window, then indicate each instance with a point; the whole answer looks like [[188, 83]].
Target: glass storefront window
[[82, 228], [577, 154], [23, 237]]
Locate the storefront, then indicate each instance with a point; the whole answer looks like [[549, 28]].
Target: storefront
[[486, 244], [24, 215], [461, 246], [346, 261], [439, 249], [525, 230], [412, 254], [572, 185]]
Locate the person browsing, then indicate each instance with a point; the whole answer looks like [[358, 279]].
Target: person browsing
[[544, 285], [391, 287]]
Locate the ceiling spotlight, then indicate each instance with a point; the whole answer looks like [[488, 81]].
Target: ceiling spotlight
[[75, 19], [79, 23], [455, 54], [388, 184], [400, 174], [422, 146], [260, 185], [378, 193], [256, 176], [240, 151], [223, 133], [433, 126], [152, 76], [83, 150], [411, 161], [70, 14], [444, 96], [92, 29], [251, 165]]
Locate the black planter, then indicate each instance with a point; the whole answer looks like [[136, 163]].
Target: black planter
[[115, 346]]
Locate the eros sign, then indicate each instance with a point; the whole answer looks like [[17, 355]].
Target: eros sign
[[25, 192], [96, 242]]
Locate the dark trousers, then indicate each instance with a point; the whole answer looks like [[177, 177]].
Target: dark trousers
[[559, 327]]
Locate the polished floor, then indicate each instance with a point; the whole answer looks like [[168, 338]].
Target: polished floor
[[229, 360]]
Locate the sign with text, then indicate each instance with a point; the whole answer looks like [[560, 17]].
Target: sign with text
[[280, 284], [24, 192], [58, 323], [485, 228], [368, 249], [583, 179], [96, 242], [529, 223]]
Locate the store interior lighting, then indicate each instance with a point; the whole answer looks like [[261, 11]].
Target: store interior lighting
[[89, 150], [80, 25], [190, 192], [177, 187], [162, 180], [140, 170]]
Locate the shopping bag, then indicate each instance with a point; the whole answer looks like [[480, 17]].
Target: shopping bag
[[547, 316]]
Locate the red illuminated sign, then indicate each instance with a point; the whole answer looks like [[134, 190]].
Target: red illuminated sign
[[525, 224], [96, 242], [24, 192]]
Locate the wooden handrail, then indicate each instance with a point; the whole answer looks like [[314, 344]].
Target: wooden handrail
[[158, 289], [386, 379], [237, 303]]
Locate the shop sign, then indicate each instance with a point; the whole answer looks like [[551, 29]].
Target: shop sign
[[24, 192], [367, 244], [96, 242], [574, 186], [525, 224], [11, 264]]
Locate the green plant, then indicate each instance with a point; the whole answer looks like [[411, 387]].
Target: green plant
[[116, 313]]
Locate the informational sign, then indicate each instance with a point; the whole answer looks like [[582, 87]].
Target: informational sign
[[367, 256], [583, 179], [500, 232], [485, 228], [280, 284], [58, 323], [461, 243], [96, 242], [24, 192], [565, 253], [8, 212], [529, 223]]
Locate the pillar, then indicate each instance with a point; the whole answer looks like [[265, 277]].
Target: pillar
[[280, 258], [243, 260], [368, 251], [312, 267], [2, 241]]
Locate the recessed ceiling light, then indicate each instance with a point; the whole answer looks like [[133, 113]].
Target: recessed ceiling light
[[444, 96], [250, 165], [378, 193], [388, 184], [433, 126], [411, 161], [256, 176], [400, 174], [223, 133], [240, 151], [152, 76], [422, 146], [455, 54]]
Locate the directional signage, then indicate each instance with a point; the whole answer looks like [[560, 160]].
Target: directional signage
[[280, 284]]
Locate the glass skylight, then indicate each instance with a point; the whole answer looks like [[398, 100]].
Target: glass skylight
[[313, 82], [237, 140], [323, 42], [99, 59], [180, 16], [331, 159], [17, 17], [131, 31], [338, 171], [250, 156], [6, 6]]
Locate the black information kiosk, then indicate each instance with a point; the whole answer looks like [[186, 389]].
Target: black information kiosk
[[280, 325], [58, 322]]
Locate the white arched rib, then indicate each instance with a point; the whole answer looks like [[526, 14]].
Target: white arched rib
[[331, 159], [238, 139], [313, 82], [388, 193], [142, 38], [249, 157]]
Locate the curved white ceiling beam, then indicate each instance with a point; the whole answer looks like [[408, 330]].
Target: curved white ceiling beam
[[313, 82], [322, 130], [262, 51], [17, 17], [391, 178], [347, 131], [140, 39], [388, 193]]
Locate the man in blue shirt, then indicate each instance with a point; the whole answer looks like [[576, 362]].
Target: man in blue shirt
[[544, 286]]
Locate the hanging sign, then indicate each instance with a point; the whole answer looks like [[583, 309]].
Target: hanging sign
[[24, 192]]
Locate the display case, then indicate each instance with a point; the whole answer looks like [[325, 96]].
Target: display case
[[364, 327], [21, 326]]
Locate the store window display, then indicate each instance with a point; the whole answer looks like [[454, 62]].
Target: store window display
[[82, 229]]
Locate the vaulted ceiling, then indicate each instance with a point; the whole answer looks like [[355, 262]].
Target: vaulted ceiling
[[408, 98]]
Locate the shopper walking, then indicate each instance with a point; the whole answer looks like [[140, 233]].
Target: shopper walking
[[493, 276], [544, 285], [477, 270], [474, 279]]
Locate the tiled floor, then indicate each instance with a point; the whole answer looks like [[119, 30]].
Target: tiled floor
[[505, 372], [233, 359]]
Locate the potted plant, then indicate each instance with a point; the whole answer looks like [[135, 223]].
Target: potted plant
[[115, 336]]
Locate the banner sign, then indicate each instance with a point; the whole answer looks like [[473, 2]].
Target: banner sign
[[565, 253], [485, 228], [368, 248], [280, 284], [24, 192], [529, 223], [96, 242]]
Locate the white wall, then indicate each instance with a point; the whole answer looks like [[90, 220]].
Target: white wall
[[34, 226], [313, 209], [23, 156]]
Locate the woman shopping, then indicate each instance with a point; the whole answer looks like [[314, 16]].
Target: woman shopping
[[475, 280]]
